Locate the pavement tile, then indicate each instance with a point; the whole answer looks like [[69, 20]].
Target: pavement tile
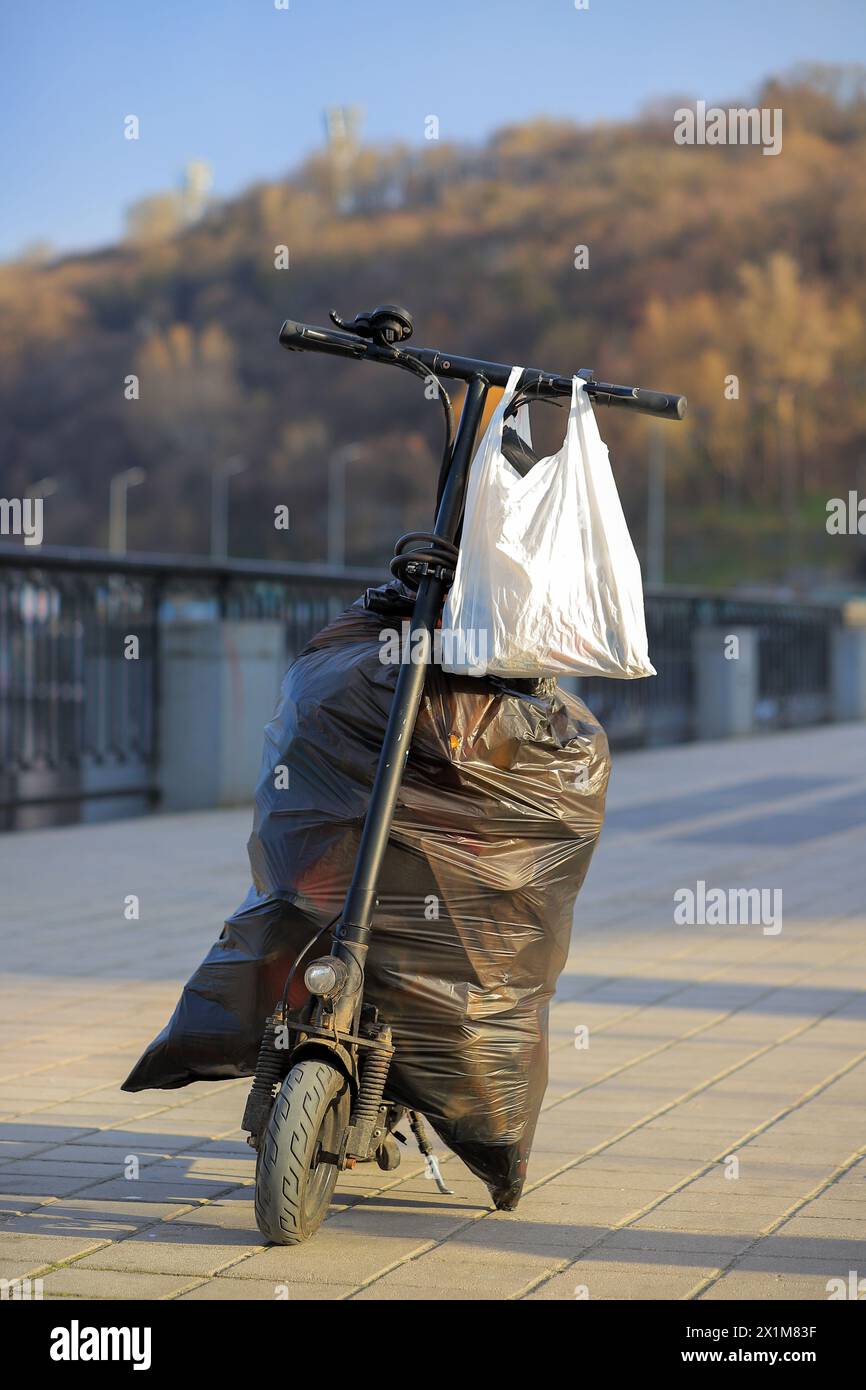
[[498, 1273], [104, 1283], [231, 1211], [31, 1132], [766, 1285], [226, 1289], [27, 1185], [334, 1256], [391, 1288], [621, 1280], [169, 1250], [683, 1244], [177, 1188], [26, 1253], [37, 1168], [80, 1216]]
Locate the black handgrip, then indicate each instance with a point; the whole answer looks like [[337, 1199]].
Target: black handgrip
[[301, 337], [660, 403]]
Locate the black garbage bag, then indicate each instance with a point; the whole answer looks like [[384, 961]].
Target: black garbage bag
[[501, 805]]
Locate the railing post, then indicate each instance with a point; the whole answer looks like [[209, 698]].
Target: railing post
[[848, 664], [726, 680]]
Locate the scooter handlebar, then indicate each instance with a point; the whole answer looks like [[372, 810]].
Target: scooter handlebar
[[305, 337]]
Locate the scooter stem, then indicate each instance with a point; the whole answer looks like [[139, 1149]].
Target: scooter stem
[[352, 932]]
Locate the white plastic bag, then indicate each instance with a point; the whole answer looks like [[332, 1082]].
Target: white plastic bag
[[547, 581]]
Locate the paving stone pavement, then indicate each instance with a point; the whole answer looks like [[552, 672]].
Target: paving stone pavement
[[708, 1142]]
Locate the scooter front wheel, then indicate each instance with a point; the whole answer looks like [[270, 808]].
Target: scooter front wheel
[[297, 1164]]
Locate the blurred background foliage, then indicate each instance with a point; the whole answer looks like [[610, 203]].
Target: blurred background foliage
[[705, 263]]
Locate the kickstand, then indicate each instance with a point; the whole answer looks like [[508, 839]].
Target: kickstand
[[431, 1162]]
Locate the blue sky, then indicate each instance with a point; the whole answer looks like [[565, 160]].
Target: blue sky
[[243, 85]]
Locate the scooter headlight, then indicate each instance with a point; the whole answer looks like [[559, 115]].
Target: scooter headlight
[[325, 977]]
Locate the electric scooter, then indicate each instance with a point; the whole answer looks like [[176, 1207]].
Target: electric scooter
[[319, 1098]]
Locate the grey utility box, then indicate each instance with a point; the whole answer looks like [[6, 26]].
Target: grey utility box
[[726, 685], [848, 665], [219, 683]]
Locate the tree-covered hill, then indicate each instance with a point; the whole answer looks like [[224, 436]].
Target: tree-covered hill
[[704, 264]]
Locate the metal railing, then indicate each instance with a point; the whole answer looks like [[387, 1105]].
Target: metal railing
[[78, 720], [78, 717], [793, 677]]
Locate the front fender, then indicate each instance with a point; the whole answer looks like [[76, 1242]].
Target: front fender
[[332, 1052]]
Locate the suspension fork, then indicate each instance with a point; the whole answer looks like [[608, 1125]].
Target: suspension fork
[[352, 933]]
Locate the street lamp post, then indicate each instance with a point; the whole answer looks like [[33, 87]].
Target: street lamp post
[[118, 489], [337, 512], [219, 513], [656, 509], [43, 487]]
